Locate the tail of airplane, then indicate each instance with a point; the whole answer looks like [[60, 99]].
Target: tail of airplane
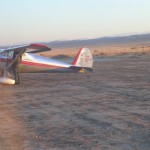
[[83, 61]]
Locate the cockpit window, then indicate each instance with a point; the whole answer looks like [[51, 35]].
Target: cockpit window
[[8, 54]]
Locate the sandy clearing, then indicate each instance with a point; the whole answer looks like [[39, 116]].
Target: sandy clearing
[[109, 111]]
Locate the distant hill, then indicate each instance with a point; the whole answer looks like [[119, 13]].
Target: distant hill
[[104, 41], [141, 39]]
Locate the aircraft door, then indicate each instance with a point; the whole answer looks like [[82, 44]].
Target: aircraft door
[[8, 57]]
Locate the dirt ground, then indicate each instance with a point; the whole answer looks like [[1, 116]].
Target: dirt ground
[[109, 111]]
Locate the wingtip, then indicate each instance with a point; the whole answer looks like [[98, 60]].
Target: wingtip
[[40, 45]]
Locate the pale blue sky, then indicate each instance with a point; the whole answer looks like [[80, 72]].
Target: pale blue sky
[[23, 21]]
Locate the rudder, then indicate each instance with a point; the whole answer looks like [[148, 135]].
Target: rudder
[[83, 59]]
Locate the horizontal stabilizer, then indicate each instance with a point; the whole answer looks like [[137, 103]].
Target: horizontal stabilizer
[[81, 69]]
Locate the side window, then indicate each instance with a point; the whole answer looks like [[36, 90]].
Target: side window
[[8, 54]]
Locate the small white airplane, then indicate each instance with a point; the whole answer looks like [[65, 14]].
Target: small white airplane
[[35, 63]]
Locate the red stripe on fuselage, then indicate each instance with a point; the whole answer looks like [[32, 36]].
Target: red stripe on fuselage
[[39, 64], [5, 60], [32, 63]]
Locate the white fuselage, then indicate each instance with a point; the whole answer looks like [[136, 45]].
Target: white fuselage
[[35, 63]]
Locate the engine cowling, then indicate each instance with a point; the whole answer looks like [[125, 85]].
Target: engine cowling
[[5, 80]]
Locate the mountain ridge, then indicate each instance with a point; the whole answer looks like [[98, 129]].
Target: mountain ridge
[[103, 41], [143, 39]]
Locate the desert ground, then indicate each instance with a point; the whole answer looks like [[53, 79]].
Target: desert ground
[[109, 111]]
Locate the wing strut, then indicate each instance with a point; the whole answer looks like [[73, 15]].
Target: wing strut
[[13, 61]]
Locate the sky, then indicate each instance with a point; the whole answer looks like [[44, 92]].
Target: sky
[[28, 21]]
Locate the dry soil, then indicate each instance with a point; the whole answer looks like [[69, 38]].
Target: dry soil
[[109, 111]]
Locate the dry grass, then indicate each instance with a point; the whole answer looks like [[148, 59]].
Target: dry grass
[[119, 50], [101, 51]]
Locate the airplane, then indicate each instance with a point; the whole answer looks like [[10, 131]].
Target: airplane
[[33, 63]]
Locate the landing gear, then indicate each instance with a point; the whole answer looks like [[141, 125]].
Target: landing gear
[[82, 70]]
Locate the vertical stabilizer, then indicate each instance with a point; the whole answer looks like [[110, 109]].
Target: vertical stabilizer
[[83, 58]]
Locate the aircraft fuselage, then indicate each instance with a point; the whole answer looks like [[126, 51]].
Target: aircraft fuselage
[[35, 63]]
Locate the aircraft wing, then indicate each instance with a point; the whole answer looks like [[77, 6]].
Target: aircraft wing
[[30, 48], [36, 48]]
